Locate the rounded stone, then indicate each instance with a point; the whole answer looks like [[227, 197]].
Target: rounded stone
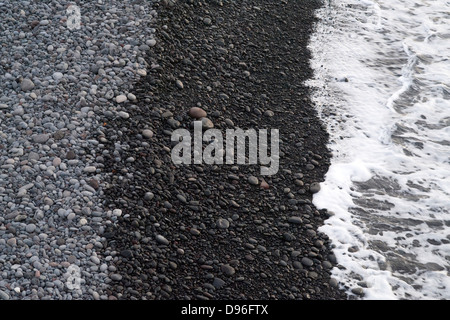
[[227, 269], [27, 84], [179, 84], [4, 295], [57, 75], [30, 227], [115, 277], [197, 113], [162, 240], [295, 220], [314, 187], [12, 242], [90, 169], [147, 133], [223, 223], [123, 114], [307, 262], [207, 124], [253, 180], [148, 196], [121, 98]]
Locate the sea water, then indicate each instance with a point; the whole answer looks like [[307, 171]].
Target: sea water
[[382, 87]]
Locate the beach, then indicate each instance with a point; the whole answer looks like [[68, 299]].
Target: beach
[[93, 205], [222, 236]]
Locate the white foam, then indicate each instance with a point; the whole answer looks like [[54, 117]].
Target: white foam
[[382, 79]]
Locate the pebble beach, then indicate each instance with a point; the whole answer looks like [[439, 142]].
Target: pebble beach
[[91, 205]]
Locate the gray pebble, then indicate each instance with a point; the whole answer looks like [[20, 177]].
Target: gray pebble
[[253, 180], [116, 277], [12, 242], [162, 240], [358, 291], [218, 283], [123, 114], [314, 187], [148, 196], [307, 262], [4, 295], [27, 84], [227, 269], [179, 84], [41, 138], [30, 227], [295, 220], [222, 223]]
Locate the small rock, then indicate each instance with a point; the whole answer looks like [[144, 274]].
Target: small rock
[[116, 277], [95, 259], [299, 182], [288, 236], [93, 183], [123, 114], [117, 212], [90, 169], [307, 262], [147, 133], [160, 239], [295, 220], [126, 253], [148, 196], [223, 223], [314, 187], [334, 283], [57, 75], [179, 84], [56, 161], [218, 283], [264, 185], [27, 85], [207, 124], [197, 113], [253, 180], [227, 269], [142, 72], [30, 227], [70, 155], [4, 295], [41, 138], [358, 291], [121, 98], [131, 97], [12, 242], [229, 122]]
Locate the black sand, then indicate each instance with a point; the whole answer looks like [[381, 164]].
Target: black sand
[[237, 60]]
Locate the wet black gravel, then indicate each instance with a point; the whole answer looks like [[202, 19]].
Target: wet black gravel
[[204, 231]]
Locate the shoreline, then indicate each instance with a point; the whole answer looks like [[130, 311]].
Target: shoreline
[[244, 64]]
